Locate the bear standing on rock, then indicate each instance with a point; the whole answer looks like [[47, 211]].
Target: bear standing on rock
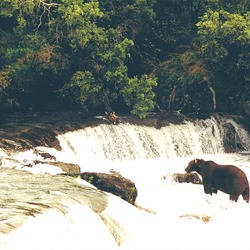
[[226, 178]]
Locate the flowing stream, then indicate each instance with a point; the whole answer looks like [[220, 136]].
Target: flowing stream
[[47, 211]]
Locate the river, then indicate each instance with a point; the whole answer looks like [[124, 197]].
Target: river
[[43, 210]]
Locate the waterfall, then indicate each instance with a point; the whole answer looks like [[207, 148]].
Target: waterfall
[[129, 142], [44, 211]]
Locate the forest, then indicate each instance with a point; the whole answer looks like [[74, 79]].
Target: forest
[[130, 56]]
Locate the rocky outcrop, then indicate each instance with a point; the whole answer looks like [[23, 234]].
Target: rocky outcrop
[[49, 159], [24, 195], [113, 183], [39, 136], [232, 142], [69, 168]]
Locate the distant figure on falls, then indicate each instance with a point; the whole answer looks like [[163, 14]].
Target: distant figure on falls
[[112, 117]]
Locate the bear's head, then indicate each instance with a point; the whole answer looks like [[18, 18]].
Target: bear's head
[[193, 166]]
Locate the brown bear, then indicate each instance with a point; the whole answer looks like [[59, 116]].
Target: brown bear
[[226, 178], [112, 117]]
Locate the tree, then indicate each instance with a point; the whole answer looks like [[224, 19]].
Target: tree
[[129, 55], [225, 40], [65, 47], [138, 94], [183, 84], [102, 75]]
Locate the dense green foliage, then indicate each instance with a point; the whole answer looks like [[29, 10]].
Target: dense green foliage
[[125, 55]]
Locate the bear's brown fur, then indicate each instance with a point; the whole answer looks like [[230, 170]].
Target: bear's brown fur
[[226, 178]]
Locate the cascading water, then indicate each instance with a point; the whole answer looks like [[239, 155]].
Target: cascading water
[[66, 213], [132, 142]]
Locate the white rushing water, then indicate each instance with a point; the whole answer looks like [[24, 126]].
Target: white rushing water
[[131, 142], [169, 215]]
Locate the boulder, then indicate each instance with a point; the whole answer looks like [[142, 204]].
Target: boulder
[[187, 177], [113, 183]]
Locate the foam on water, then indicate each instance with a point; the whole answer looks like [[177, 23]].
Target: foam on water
[[168, 215], [79, 229]]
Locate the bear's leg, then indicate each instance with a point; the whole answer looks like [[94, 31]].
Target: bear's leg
[[234, 197]]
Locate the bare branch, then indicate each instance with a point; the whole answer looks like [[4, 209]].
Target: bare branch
[[46, 10], [214, 95]]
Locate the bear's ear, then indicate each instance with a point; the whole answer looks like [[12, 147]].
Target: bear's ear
[[195, 161]]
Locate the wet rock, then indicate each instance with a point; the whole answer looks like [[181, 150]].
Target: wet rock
[[69, 168], [40, 136], [113, 183], [47, 156], [187, 177], [232, 142], [25, 195]]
